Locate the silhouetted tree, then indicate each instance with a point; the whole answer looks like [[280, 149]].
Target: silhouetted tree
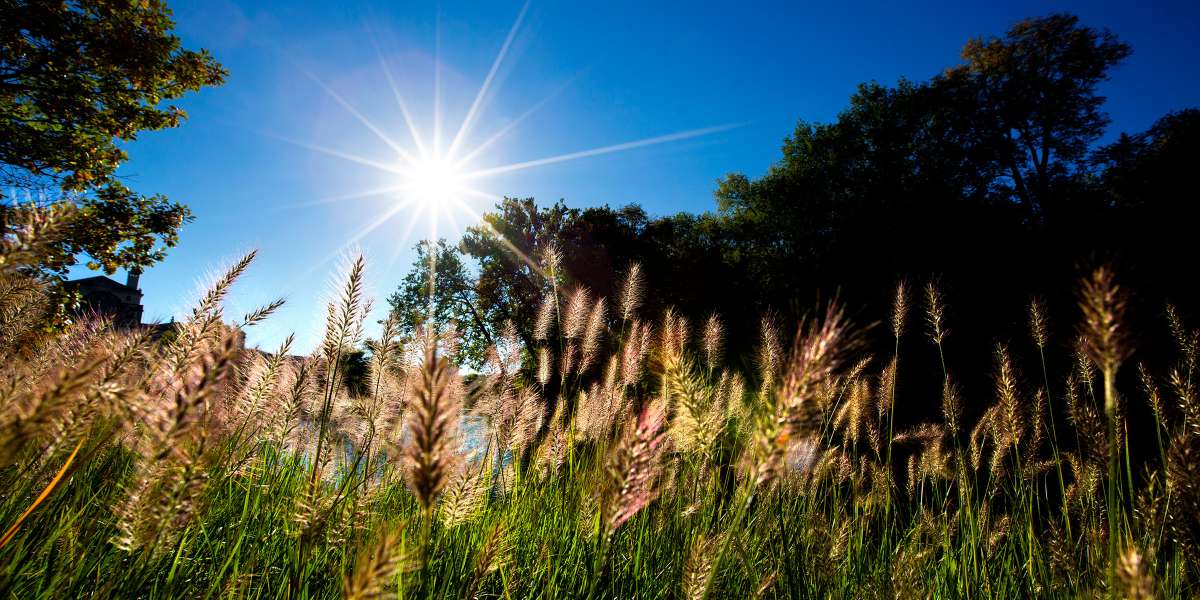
[[1038, 108], [982, 177]]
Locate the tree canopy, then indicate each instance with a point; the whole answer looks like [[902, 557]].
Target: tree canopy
[[454, 301], [78, 79], [1037, 107], [986, 176]]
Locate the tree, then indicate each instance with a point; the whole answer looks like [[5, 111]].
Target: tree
[[1153, 168], [78, 79], [951, 175], [1151, 203], [355, 372], [1037, 101], [509, 247], [882, 189], [454, 301], [689, 261], [977, 176]]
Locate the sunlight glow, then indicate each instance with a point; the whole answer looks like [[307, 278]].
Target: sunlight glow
[[434, 183], [431, 182]]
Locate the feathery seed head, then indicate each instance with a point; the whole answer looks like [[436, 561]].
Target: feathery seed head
[[674, 335], [770, 351], [900, 308], [951, 406], [545, 365], [1006, 391], [935, 313], [815, 356], [887, 385], [714, 334], [545, 319], [1151, 389], [1135, 575], [1188, 342], [465, 494], [634, 468], [492, 557], [1037, 322], [699, 566], [568, 361], [634, 352], [552, 261], [631, 292], [593, 334], [375, 569], [432, 420], [578, 309], [1103, 304]]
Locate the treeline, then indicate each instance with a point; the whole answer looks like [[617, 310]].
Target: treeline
[[987, 178]]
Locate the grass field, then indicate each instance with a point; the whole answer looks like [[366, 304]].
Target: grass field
[[625, 461]]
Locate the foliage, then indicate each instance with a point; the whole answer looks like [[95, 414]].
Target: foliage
[[985, 173], [1036, 88], [78, 79], [505, 245], [591, 247], [447, 300], [995, 148]]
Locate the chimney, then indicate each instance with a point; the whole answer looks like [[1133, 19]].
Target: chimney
[[132, 279]]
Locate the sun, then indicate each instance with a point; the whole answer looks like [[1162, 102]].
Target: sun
[[433, 183]]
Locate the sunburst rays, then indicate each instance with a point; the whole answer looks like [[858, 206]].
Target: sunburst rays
[[458, 180]]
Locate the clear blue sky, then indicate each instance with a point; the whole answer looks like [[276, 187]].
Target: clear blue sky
[[612, 72]]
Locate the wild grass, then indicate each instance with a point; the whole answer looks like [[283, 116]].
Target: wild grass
[[621, 457]]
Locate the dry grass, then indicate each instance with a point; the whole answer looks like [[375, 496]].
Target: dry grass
[[188, 466]]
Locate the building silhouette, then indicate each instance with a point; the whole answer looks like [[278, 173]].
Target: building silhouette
[[121, 302]]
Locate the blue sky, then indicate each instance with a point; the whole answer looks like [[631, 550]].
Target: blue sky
[[600, 73]]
